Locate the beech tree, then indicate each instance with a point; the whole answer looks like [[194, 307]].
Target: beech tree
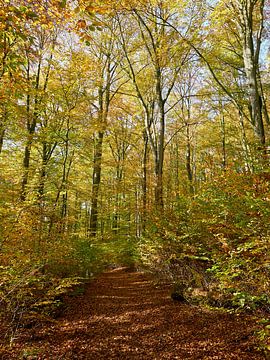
[[240, 32], [165, 59], [134, 132], [250, 24], [12, 36], [37, 72], [109, 80]]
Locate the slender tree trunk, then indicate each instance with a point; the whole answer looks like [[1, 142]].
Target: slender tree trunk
[[3, 128], [223, 139], [144, 181], [188, 144], [63, 188], [159, 158], [159, 183], [189, 159], [117, 205], [27, 150], [31, 128], [43, 171], [47, 151], [68, 159], [104, 98], [26, 165], [177, 165], [264, 106], [96, 183], [2, 134]]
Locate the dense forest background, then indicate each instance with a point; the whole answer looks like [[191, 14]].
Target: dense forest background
[[134, 133]]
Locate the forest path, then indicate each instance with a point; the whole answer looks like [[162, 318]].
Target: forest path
[[123, 315]]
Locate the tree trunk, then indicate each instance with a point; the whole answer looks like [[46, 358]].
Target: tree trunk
[[26, 165], [31, 128], [189, 159], [159, 158], [223, 139], [2, 134], [251, 43], [96, 183], [256, 113], [43, 171], [144, 181]]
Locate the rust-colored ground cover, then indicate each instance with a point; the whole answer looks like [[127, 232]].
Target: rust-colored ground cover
[[123, 315]]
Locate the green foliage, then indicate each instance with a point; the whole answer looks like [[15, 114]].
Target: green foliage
[[218, 241], [263, 335], [30, 353], [89, 255], [114, 250], [213, 233], [238, 216], [30, 296], [125, 251], [246, 300]]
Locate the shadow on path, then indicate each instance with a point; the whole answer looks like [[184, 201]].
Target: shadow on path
[[123, 315]]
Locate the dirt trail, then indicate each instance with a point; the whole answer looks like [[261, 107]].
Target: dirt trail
[[123, 315]]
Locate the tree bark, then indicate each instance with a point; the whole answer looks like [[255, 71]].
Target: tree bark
[[251, 43], [3, 124], [144, 181], [97, 161], [2, 134], [159, 158], [32, 119], [189, 159]]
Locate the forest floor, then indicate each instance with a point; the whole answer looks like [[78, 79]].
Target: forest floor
[[125, 315]]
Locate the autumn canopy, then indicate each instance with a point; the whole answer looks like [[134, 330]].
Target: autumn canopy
[[134, 133]]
